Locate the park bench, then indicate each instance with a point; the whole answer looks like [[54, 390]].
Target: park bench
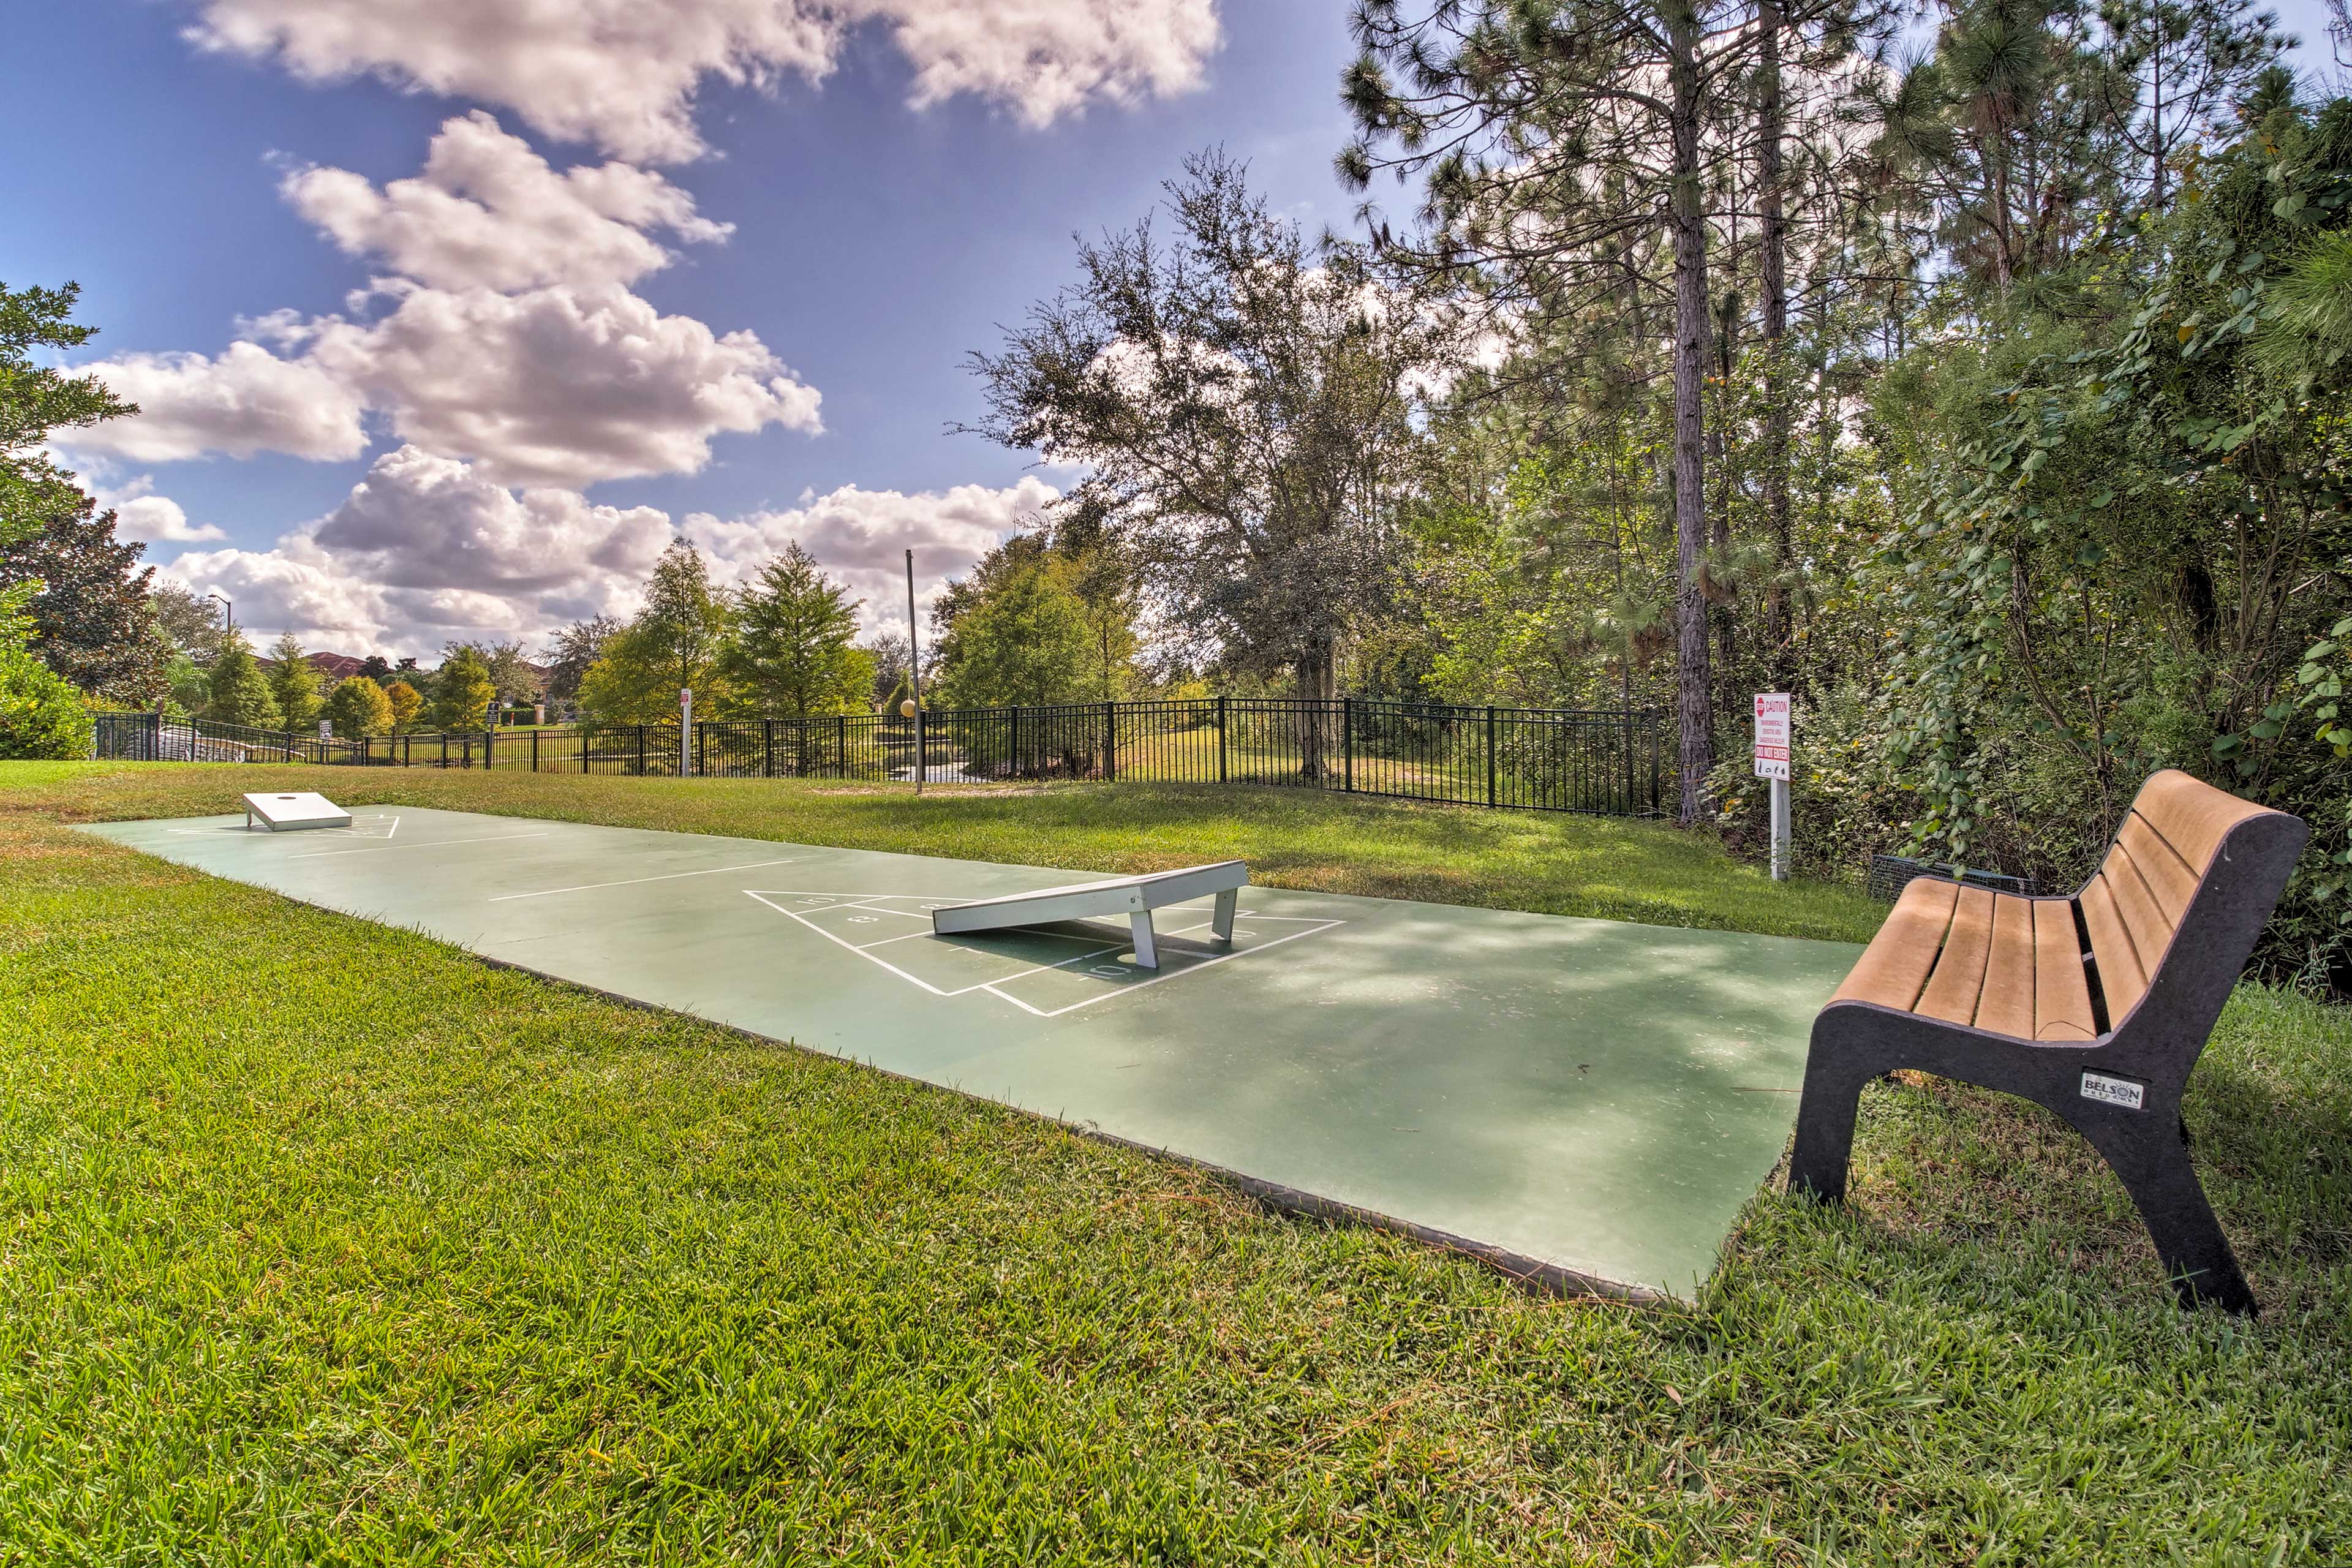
[[2095, 1006]]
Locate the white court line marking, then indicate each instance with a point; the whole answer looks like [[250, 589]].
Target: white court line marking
[[436, 844], [918, 935], [633, 881], [1317, 927], [1143, 984], [245, 830], [918, 979]]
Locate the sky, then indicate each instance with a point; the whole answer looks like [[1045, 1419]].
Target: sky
[[445, 316]]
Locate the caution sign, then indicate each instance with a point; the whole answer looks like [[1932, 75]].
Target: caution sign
[[1771, 734]]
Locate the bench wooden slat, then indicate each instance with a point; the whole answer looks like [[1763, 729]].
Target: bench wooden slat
[[2143, 917], [2122, 978], [2193, 817], [2061, 993], [1895, 964], [1952, 991], [2007, 1005], [2168, 875]]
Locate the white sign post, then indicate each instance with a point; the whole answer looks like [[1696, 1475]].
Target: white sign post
[[1772, 741], [685, 730]]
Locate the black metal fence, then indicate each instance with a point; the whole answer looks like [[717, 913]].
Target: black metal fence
[[1605, 762]]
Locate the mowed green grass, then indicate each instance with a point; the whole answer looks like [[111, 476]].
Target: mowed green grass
[[326, 1243], [1605, 867]]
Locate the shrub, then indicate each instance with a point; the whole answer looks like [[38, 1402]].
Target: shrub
[[41, 716]]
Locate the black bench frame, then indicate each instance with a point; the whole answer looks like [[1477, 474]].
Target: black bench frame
[[2156, 1044]]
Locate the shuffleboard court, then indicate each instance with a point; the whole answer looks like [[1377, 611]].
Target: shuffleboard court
[[1594, 1098]]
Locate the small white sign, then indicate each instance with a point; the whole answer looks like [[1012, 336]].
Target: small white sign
[[1772, 738], [326, 729], [2108, 1089]]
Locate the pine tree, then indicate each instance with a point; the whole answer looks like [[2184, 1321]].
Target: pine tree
[[676, 642], [684, 625], [359, 708], [792, 653], [1573, 155], [462, 691], [293, 683], [240, 692], [93, 621]]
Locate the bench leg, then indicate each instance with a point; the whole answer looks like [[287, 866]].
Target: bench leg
[[1147, 955], [1833, 1086], [2154, 1166], [1221, 922]]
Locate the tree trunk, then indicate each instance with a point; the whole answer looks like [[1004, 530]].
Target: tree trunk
[[1770, 128], [1694, 749], [1318, 691]]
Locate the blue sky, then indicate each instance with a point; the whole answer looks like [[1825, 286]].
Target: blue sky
[[637, 290], [874, 243]]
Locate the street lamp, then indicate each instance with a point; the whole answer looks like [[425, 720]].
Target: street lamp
[[229, 608]]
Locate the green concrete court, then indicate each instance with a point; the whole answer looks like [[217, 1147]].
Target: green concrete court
[[1594, 1098]]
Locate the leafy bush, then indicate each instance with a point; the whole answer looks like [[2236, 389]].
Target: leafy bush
[[41, 717]]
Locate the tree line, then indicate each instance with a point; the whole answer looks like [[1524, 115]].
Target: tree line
[[1996, 400]]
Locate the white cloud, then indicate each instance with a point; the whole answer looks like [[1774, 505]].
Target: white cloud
[[556, 385], [862, 536], [490, 213], [247, 400], [623, 73], [1047, 59], [294, 587], [561, 385], [419, 521], [425, 550], [139, 513]]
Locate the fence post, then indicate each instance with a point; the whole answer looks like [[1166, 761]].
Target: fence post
[[641, 751], [490, 749], [1653, 762], [1110, 740], [1221, 737], [1347, 743], [841, 742], [1490, 754], [534, 750]]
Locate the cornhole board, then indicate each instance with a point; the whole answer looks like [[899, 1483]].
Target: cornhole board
[[1134, 896], [287, 812]]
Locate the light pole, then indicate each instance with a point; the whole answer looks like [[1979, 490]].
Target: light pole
[[231, 625]]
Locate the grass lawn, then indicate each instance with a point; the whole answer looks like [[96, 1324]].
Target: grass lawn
[[324, 1242]]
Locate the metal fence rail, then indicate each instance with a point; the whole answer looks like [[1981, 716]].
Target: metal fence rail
[[1608, 763]]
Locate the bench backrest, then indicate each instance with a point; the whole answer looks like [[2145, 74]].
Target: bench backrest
[[2178, 903]]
